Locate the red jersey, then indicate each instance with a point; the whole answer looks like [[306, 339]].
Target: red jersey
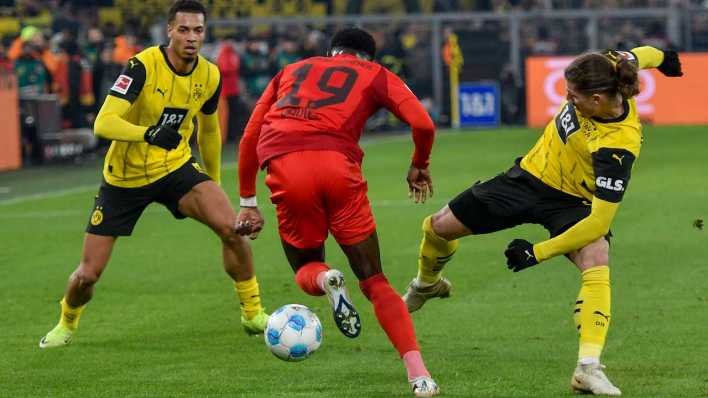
[[323, 103]]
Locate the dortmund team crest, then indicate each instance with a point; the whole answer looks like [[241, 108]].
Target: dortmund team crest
[[197, 91], [97, 216]]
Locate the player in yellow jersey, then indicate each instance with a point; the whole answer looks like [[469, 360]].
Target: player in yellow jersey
[[571, 182], [149, 115]]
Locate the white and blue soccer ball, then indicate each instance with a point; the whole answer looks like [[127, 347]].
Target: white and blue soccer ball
[[293, 332]]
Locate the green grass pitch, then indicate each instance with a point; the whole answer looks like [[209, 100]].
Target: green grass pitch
[[164, 319]]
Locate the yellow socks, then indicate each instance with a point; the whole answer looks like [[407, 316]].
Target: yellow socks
[[435, 252], [70, 315], [592, 312], [250, 297]]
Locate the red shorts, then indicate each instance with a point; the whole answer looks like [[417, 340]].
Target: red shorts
[[319, 191]]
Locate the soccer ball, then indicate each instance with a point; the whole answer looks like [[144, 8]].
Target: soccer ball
[[293, 332]]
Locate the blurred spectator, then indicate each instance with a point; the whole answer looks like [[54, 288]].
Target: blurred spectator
[[91, 51], [31, 41], [286, 53], [315, 44], [74, 83], [391, 53], [124, 49], [109, 73], [544, 43], [655, 36], [33, 76], [229, 64], [65, 21], [415, 41], [512, 96], [257, 68]]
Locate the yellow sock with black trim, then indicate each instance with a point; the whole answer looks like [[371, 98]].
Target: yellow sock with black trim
[[435, 252], [592, 312], [249, 295], [70, 315]]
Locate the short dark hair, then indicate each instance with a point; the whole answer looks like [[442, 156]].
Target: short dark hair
[[191, 6], [354, 39]]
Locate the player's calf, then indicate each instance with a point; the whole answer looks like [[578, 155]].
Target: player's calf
[[435, 252]]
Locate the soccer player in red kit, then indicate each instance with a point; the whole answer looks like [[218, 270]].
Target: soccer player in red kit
[[304, 131]]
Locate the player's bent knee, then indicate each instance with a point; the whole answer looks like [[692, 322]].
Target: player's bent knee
[[595, 254], [85, 277], [446, 225], [227, 233]]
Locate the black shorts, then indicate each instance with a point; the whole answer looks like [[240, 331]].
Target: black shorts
[[517, 197], [117, 210]]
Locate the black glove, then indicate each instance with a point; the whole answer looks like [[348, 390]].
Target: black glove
[[163, 136], [671, 66], [519, 255]]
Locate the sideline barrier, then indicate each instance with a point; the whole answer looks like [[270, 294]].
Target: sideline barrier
[[663, 100], [10, 146]]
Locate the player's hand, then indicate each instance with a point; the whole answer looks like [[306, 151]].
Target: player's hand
[[671, 66], [163, 136], [420, 184], [519, 255], [249, 222]]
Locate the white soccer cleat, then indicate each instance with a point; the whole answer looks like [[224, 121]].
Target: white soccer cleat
[[416, 296], [345, 315], [60, 336], [590, 379], [424, 386]]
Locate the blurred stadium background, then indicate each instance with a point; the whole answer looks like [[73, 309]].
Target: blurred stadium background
[[58, 58]]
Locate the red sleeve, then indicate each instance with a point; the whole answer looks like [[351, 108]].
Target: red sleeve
[[247, 155], [395, 95]]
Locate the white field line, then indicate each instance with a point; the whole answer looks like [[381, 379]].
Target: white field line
[[94, 187], [28, 215]]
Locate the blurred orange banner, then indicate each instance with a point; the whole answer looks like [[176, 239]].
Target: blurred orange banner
[[663, 100], [10, 155]]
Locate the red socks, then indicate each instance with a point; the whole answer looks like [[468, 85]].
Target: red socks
[[391, 313], [306, 278]]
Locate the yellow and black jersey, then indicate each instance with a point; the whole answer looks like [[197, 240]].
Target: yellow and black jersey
[[156, 94], [587, 157], [592, 157]]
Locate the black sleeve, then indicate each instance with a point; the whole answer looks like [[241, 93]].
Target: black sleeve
[[613, 167], [212, 103], [130, 81]]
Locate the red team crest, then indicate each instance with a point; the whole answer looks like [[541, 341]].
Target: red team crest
[[122, 84]]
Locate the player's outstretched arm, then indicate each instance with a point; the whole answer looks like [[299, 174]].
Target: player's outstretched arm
[[646, 57], [247, 155], [250, 221], [395, 95], [209, 141]]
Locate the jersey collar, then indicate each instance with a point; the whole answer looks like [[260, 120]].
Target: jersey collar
[[625, 105], [172, 68]]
